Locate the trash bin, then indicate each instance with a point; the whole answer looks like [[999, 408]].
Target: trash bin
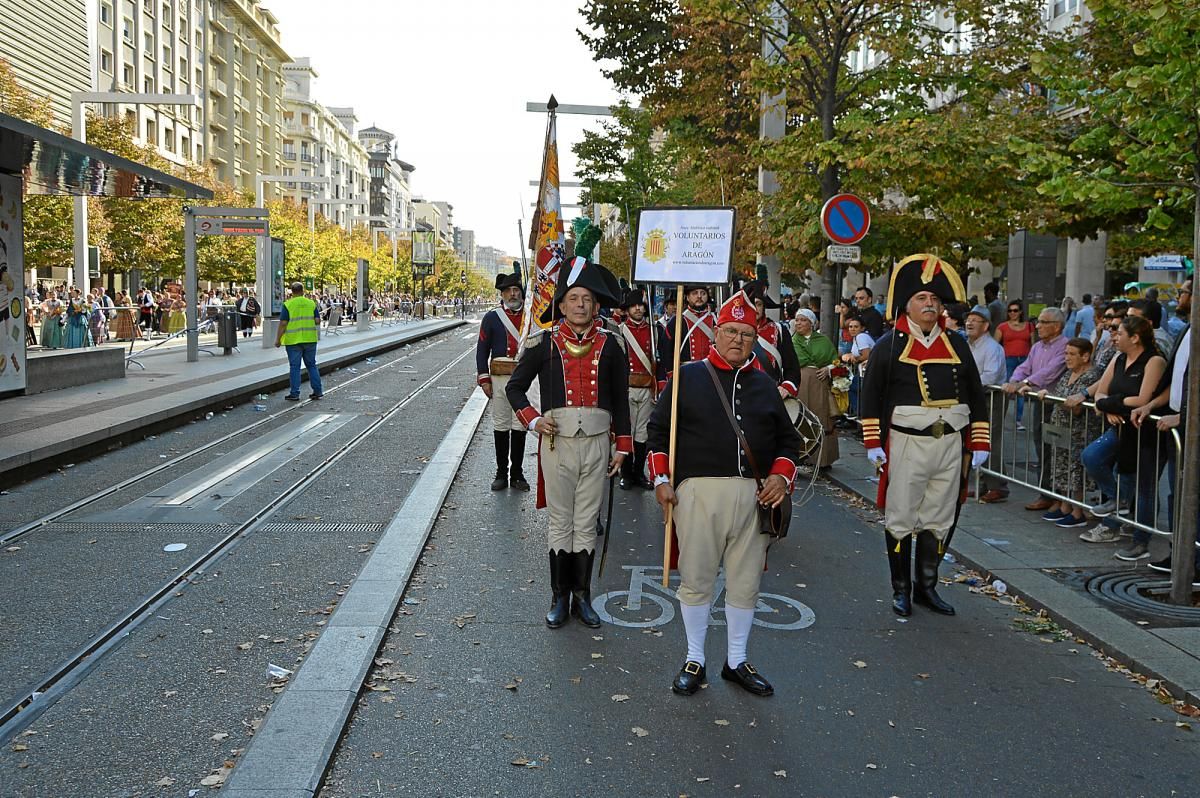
[[227, 329]]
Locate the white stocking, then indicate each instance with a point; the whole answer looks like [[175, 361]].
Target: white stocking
[[695, 623], [738, 623]]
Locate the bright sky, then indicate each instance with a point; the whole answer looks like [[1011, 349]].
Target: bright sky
[[450, 78]]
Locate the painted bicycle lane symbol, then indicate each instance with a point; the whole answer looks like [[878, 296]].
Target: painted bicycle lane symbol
[[647, 604]]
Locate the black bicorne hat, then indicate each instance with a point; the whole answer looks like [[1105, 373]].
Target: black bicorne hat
[[918, 273], [511, 280], [582, 273], [633, 296], [757, 289]]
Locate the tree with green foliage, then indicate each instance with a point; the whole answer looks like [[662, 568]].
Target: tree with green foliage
[[925, 113], [1128, 152]]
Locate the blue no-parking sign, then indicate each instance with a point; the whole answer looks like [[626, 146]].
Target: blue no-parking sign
[[845, 219]]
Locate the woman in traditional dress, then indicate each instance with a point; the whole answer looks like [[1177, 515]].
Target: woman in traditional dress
[[78, 336], [124, 328], [177, 316], [816, 354], [52, 328]]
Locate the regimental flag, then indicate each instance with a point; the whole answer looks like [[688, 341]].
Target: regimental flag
[[546, 237]]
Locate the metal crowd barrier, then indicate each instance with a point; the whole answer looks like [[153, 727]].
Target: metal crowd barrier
[[1030, 461]]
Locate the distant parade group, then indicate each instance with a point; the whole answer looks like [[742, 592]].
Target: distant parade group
[[724, 462]]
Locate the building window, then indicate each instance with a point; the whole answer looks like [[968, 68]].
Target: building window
[[127, 75], [169, 143], [105, 13], [151, 133], [127, 30], [106, 64], [1065, 7], [148, 85], [148, 43]]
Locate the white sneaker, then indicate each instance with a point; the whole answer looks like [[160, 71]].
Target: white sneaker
[[1100, 534]]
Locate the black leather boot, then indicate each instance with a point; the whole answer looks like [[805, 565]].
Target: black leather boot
[[639, 466], [501, 480], [628, 481], [581, 589], [899, 554], [929, 557], [516, 476], [560, 583]]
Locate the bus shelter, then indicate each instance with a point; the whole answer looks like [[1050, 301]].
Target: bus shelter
[[37, 161]]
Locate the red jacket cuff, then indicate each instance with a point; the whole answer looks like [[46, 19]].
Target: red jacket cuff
[[482, 378], [786, 469], [872, 435], [790, 387], [625, 444], [659, 465], [528, 415]]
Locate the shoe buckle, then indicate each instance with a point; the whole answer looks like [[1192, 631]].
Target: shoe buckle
[[692, 668], [749, 669]]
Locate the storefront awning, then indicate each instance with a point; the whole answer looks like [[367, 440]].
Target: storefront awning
[[51, 163]]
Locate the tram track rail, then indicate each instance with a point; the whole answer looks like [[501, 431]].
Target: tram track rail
[[19, 532], [17, 713]]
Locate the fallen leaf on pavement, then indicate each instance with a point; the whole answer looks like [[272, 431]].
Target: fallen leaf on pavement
[[721, 722], [872, 766], [620, 697], [640, 732], [165, 781], [781, 774], [858, 663], [245, 646], [219, 736]]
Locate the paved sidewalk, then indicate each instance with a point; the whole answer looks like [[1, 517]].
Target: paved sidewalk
[[42, 431], [1047, 567]]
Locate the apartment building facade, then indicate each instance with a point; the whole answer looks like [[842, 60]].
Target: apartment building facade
[[440, 218], [47, 45], [321, 142], [464, 247], [391, 179]]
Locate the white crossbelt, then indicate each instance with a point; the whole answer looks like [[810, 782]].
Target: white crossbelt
[[771, 350], [697, 321], [636, 348], [508, 325]]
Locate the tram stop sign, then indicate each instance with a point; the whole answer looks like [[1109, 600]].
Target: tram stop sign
[[845, 219]]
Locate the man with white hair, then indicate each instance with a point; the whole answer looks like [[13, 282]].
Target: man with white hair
[[1040, 372]]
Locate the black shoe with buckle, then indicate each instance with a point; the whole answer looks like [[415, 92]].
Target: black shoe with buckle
[[745, 677], [518, 482], [689, 678]]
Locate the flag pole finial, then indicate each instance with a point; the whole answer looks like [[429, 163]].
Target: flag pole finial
[[552, 104]]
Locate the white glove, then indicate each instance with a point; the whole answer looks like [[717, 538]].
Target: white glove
[[876, 456], [978, 459]]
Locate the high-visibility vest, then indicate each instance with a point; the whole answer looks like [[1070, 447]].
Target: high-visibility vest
[[301, 325]]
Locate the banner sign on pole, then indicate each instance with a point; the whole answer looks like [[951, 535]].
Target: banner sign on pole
[[12, 285], [278, 286], [685, 245], [424, 252]]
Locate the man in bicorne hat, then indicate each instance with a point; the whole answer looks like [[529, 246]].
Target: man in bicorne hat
[[495, 358], [773, 352], [716, 496], [645, 372], [583, 376], [924, 417]]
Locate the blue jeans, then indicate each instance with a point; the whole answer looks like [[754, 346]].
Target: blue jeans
[[1099, 459], [1011, 362], [855, 384], [308, 354]]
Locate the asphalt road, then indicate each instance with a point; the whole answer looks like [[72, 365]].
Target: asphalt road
[[473, 696], [183, 693]]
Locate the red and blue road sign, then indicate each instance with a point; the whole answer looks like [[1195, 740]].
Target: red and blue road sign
[[845, 219]]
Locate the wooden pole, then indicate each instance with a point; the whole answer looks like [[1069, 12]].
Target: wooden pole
[[674, 426]]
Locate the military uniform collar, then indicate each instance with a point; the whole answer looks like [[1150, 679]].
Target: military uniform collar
[[565, 331], [724, 365], [906, 325]]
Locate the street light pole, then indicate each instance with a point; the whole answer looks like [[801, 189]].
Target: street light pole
[[79, 101]]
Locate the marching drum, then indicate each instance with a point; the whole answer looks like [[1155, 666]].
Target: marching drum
[[807, 424]]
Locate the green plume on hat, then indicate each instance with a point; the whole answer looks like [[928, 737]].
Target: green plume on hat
[[587, 236]]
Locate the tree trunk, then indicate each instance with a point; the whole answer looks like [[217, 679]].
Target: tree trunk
[[1187, 498]]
